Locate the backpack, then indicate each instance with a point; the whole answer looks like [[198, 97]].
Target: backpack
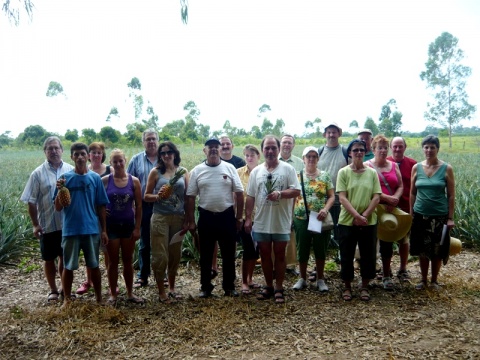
[[344, 150]]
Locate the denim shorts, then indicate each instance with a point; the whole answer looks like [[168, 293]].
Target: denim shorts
[[264, 237], [72, 245], [120, 230]]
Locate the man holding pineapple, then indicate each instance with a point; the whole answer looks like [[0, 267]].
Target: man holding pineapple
[[271, 189], [47, 223], [83, 208]]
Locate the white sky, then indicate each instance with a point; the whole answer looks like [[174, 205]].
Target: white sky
[[339, 60]]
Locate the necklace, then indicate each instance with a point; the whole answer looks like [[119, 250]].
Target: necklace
[[314, 174]]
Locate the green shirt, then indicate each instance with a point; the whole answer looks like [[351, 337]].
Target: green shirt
[[359, 188]]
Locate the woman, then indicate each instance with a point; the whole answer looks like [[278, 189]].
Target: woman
[[432, 203], [250, 250], [124, 218], [97, 156], [359, 192], [317, 186], [392, 189], [168, 217]]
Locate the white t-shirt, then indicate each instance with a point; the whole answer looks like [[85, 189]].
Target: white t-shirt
[[272, 217], [214, 185], [331, 161]]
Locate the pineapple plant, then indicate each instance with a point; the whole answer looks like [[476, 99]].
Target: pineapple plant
[[167, 190], [269, 184], [63, 193]]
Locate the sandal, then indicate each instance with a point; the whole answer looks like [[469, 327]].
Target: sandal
[[279, 297], [364, 294], [347, 294], [140, 283], [174, 295], [387, 283], [53, 296], [266, 293], [136, 300], [111, 301], [166, 301], [421, 285], [254, 286]]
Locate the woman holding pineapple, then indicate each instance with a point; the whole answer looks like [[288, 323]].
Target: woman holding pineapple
[[166, 188]]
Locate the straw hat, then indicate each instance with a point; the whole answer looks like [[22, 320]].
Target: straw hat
[[392, 226], [455, 246]]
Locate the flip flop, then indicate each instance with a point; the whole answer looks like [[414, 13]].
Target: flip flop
[[246, 292], [140, 283], [136, 300], [166, 301], [279, 297], [254, 286], [174, 295], [266, 293]]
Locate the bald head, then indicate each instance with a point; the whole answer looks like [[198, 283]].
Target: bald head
[[398, 146]]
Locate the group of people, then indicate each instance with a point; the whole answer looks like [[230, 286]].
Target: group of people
[[267, 206]]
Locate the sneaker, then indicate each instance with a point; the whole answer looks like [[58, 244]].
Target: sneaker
[[83, 289], [434, 286], [322, 287], [300, 285]]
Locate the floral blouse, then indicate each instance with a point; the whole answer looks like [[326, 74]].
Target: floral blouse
[[315, 192]]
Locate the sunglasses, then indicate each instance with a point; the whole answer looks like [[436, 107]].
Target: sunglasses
[[165, 153], [358, 150]]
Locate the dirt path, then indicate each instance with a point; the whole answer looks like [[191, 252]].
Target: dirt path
[[402, 324]]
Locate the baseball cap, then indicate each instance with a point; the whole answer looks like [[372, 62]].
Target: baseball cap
[[212, 140], [308, 149], [332, 124], [367, 131]]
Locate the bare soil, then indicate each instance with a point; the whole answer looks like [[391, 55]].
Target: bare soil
[[401, 324]]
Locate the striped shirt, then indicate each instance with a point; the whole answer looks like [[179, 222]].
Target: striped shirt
[[40, 190], [140, 166]]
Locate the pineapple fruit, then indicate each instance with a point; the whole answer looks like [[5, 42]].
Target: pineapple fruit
[[167, 190], [64, 194]]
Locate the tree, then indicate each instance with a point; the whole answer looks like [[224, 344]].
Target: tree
[[34, 135], [263, 109], [353, 124], [278, 128], [134, 133], [267, 127], [370, 124], [446, 77], [135, 88], [71, 135], [54, 89], [5, 139], [89, 135], [152, 121], [109, 134], [390, 122], [113, 112], [13, 12]]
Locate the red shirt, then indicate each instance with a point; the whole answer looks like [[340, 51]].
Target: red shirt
[[405, 167]]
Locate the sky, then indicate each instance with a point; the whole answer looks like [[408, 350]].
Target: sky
[[337, 60]]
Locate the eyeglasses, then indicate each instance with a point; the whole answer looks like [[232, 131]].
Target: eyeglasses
[[165, 153], [358, 150]]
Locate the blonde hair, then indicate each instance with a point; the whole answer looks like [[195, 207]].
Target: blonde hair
[[117, 152]]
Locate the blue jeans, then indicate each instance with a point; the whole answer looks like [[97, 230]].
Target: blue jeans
[[144, 248]]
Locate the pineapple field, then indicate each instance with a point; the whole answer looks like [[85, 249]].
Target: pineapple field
[[399, 324]]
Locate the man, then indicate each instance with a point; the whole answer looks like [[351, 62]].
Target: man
[[226, 153], [271, 189], [333, 157], [140, 166], [366, 135], [81, 220], [287, 144], [47, 223], [398, 146], [217, 184]]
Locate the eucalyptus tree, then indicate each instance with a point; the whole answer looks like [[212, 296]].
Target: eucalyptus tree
[[390, 121], [446, 77], [12, 9]]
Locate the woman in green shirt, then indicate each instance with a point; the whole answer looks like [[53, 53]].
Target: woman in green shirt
[[432, 203]]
